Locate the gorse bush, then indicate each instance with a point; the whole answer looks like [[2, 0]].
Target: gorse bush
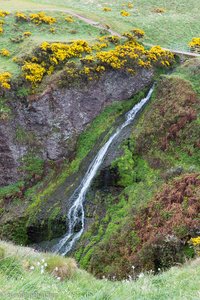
[[128, 57], [36, 18], [69, 19], [5, 80], [4, 52], [41, 17], [33, 72], [195, 44], [195, 242], [4, 13], [125, 13], [21, 17]]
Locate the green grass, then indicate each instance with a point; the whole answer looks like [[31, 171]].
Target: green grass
[[63, 33], [17, 281], [173, 29]]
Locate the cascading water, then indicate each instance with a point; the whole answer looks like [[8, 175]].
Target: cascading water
[[76, 212]]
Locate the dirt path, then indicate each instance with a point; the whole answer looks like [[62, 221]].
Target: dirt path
[[112, 32]]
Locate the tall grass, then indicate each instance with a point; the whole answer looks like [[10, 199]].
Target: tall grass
[[177, 283]]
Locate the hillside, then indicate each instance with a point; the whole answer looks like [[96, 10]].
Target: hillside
[[147, 209], [167, 23], [36, 279], [99, 149]]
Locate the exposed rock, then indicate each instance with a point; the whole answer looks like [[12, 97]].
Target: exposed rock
[[52, 121]]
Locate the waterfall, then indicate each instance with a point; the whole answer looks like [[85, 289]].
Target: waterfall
[[76, 212]]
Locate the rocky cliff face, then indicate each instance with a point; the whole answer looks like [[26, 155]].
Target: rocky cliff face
[[48, 124]]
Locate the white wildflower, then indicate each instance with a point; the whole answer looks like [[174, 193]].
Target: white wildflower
[[141, 275], [32, 267]]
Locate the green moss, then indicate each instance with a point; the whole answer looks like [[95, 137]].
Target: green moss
[[5, 111], [24, 137], [15, 231], [32, 166], [54, 212], [10, 190]]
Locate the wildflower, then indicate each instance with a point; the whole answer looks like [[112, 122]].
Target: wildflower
[[32, 268], [141, 275]]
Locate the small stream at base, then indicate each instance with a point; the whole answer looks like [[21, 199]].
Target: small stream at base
[[76, 214]]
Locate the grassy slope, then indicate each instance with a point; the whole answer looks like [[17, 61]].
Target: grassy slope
[[172, 29], [39, 34], [177, 283], [143, 174]]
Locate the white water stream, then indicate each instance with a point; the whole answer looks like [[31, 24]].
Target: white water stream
[[76, 212]]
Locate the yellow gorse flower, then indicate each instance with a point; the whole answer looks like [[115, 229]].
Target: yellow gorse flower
[[5, 79], [4, 52], [4, 13], [33, 72], [21, 17], [41, 17], [195, 242], [195, 44], [125, 13], [129, 57], [27, 33]]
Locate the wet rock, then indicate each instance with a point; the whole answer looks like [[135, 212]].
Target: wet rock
[[56, 117]]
